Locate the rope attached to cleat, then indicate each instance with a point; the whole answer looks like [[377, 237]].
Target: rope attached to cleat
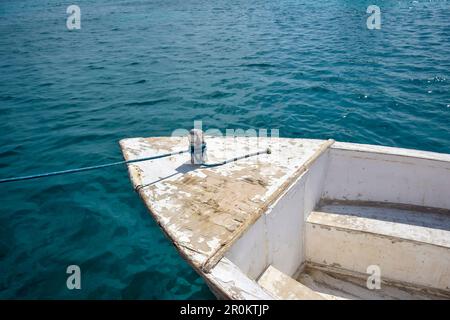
[[101, 166], [197, 150], [267, 151]]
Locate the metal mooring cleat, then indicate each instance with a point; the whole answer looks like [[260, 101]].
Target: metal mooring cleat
[[197, 147]]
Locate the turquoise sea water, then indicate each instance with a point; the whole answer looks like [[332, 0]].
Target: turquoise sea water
[[144, 68]]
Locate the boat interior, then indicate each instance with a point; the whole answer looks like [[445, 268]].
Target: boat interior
[[361, 223], [315, 219]]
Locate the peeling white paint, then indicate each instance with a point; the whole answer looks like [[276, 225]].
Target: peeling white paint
[[203, 210]]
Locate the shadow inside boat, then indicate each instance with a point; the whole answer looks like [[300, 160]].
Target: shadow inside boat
[[427, 217]]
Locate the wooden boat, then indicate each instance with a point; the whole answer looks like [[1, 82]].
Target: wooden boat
[[315, 219]]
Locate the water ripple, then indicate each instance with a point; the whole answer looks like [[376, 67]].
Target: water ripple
[[139, 68]]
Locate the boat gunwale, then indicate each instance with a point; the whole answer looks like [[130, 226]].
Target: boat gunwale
[[392, 151]]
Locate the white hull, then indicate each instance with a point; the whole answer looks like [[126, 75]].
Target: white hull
[[305, 222]]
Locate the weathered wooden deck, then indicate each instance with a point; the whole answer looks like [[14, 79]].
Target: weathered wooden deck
[[204, 210]]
